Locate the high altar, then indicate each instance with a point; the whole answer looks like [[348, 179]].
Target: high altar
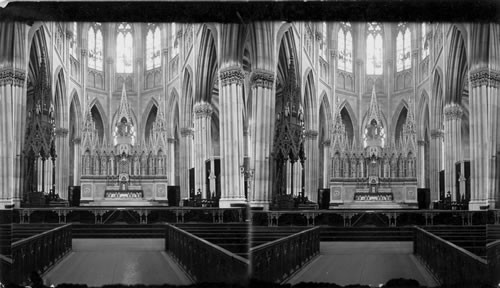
[[124, 172], [374, 173]]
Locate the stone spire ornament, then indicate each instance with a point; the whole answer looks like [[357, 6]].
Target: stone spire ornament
[[124, 108], [374, 109]]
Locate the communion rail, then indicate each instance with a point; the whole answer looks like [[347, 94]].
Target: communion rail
[[204, 261], [279, 259], [39, 252]]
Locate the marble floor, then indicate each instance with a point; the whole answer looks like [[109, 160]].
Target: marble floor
[[98, 262], [366, 263]]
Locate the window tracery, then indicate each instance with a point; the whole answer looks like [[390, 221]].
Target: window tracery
[[374, 49], [95, 46]]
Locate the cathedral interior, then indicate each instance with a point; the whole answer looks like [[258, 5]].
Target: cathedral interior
[[266, 124]]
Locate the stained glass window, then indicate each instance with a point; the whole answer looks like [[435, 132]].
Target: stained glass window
[[74, 40], [95, 46], [345, 47], [175, 41], [124, 49], [425, 43], [153, 42], [374, 49], [403, 48]]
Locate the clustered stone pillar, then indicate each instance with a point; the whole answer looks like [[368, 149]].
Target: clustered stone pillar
[[62, 161], [311, 164], [483, 137], [452, 145], [202, 144], [262, 136], [436, 165], [185, 160], [327, 167], [231, 111], [421, 164], [171, 161]]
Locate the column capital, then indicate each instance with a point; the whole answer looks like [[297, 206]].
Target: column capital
[[327, 143], [202, 110], [232, 75], [109, 60], [262, 78], [333, 53], [77, 140], [12, 77], [165, 52], [187, 131], [437, 133], [421, 142], [311, 134], [359, 62], [171, 140], [485, 77], [453, 112], [61, 132], [414, 54], [84, 52]]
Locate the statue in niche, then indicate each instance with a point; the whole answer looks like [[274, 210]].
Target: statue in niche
[[124, 128], [112, 163], [400, 165], [96, 164], [159, 169], [393, 166], [151, 162], [87, 162], [104, 162], [144, 164], [353, 166], [361, 166], [336, 165], [137, 164], [346, 165], [124, 168], [387, 169]]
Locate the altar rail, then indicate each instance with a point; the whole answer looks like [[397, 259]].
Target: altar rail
[[204, 261], [130, 215], [39, 252], [493, 256], [278, 260], [449, 263], [380, 218]]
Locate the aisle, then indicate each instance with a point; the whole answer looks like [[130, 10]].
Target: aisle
[[366, 263], [98, 262]]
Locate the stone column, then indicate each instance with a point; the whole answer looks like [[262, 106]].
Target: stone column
[[77, 171], [483, 106], [202, 144], [261, 131], [62, 162], [452, 145], [231, 114], [327, 167], [436, 164], [185, 160], [421, 164], [170, 165], [311, 163]]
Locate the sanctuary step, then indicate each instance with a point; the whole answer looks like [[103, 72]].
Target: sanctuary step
[[118, 231], [123, 202], [373, 205], [366, 233]]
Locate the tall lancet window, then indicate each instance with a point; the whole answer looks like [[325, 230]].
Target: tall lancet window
[[323, 46], [124, 49], [374, 49], [425, 43], [403, 47], [74, 39], [95, 47], [153, 42], [175, 41], [345, 47]]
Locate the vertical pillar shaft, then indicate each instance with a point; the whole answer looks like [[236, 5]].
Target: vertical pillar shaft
[[185, 161], [203, 144], [436, 163], [231, 111], [261, 127], [421, 165], [453, 145]]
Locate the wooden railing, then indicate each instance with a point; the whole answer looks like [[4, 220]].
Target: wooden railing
[[278, 260], [493, 256], [204, 261], [39, 252], [451, 264]]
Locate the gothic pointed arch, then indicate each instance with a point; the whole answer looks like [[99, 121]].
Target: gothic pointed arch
[[423, 115], [399, 115], [173, 113], [149, 117], [61, 105], [187, 101], [100, 118], [437, 101], [309, 100], [231, 44], [207, 66], [457, 68], [347, 113]]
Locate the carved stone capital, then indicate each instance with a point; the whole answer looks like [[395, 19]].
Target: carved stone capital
[[202, 110], [171, 140], [421, 142], [484, 77], [333, 53], [110, 60], [12, 77], [232, 76], [262, 79], [327, 143], [359, 62], [77, 140], [437, 133], [61, 132], [414, 54], [186, 132], [453, 112], [84, 52], [311, 134]]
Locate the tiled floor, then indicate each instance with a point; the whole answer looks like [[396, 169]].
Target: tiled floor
[[98, 262], [366, 263]]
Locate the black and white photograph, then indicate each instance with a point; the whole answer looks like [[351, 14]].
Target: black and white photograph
[[250, 144]]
